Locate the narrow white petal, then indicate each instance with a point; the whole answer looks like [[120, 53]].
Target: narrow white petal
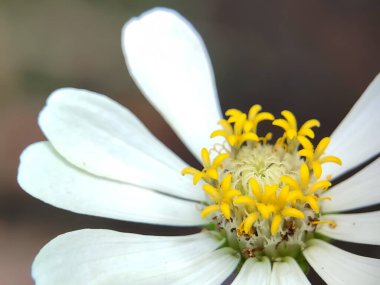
[[288, 272], [254, 272], [169, 62], [360, 190], [48, 177], [106, 257], [339, 267], [211, 269], [102, 137], [357, 138], [359, 228]]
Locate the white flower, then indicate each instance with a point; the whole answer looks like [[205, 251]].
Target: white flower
[[101, 160]]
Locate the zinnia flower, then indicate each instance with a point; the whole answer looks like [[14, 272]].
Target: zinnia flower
[[266, 207]]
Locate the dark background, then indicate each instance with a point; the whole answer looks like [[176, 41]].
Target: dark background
[[314, 58]]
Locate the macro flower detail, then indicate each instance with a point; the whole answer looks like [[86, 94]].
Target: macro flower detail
[[264, 206]]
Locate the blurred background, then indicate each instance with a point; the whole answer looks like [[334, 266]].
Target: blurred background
[[314, 58]]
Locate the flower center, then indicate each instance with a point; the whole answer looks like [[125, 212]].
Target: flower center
[[264, 197]]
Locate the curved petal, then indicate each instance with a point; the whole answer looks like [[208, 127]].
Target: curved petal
[[360, 190], [168, 60], [359, 228], [106, 257], [337, 266], [254, 272], [102, 137], [48, 177], [287, 272], [357, 139]]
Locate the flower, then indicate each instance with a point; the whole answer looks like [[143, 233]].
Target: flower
[[267, 206]]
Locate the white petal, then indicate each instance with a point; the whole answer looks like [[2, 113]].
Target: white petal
[[169, 62], [288, 272], [106, 257], [358, 191], [254, 272], [357, 138], [48, 177], [359, 228], [337, 266], [102, 137]]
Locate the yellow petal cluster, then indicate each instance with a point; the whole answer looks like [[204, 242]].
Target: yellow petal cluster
[[291, 131], [222, 197], [254, 202], [314, 156], [209, 171]]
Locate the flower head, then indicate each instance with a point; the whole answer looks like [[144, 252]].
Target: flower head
[[263, 205]]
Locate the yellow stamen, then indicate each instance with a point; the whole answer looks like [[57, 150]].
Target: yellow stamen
[[245, 200], [332, 224], [289, 116], [209, 210], [212, 192], [248, 222], [276, 221], [225, 209], [292, 212]]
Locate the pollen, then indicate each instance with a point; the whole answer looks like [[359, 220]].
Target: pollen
[[265, 196]]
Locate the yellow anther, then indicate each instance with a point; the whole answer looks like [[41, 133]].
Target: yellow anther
[[282, 124], [294, 196], [319, 185], [282, 197], [226, 182], [321, 147], [289, 116], [332, 224], [269, 194], [212, 173], [239, 124], [212, 192], [306, 130], [292, 212], [264, 210], [205, 158], [245, 200], [219, 159], [276, 221], [209, 210], [230, 194], [325, 198], [266, 138], [290, 181], [255, 188], [249, 221], [225, 209], [312, 201], [305, 142], [263, 116], [189, 170], [308, 153], [233, 114], [253, 111], [317, 168], [331, 158]]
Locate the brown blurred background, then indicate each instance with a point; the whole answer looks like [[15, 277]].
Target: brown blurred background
[[312, 57]]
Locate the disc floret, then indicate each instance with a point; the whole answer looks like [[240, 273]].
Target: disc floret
[[264, 197]]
